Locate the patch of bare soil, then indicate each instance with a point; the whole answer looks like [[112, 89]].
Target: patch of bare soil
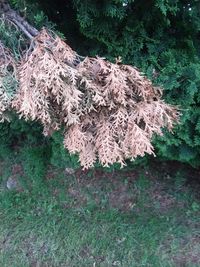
[[162, 199], [188, 253], [118, 195], [122, 198], [122, 195], [79, 198], [17, 169]]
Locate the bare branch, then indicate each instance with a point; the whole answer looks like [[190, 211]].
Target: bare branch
[[8, 13]]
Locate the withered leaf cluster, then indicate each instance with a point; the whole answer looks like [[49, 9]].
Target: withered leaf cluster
[[109, 111]]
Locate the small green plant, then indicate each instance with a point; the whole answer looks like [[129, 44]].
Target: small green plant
[[35, 160], [60, 157]]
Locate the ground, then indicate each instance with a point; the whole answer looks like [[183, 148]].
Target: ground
[[133, 217]]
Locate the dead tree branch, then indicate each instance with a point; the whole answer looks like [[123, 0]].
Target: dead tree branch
[[11, 15]]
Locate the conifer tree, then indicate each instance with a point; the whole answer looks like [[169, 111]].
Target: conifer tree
[[161, 37], [109, 111]]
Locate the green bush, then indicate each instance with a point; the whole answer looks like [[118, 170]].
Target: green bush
[[60, 157], [161, 38], [35, 161]]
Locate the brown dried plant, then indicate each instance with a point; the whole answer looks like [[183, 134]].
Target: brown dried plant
[[109, 111], [47, 84]]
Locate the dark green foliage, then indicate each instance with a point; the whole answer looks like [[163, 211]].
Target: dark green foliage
[[161, 38], [60, 156], [32, 12], [23, 143], [34, 161], [19, 133]]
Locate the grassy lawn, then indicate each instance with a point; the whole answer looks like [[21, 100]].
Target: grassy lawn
[[126, 218]]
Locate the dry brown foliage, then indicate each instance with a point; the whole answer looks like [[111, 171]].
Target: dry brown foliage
[[109, 111]]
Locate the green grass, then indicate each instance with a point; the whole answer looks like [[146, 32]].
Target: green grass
[[100, 219]]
